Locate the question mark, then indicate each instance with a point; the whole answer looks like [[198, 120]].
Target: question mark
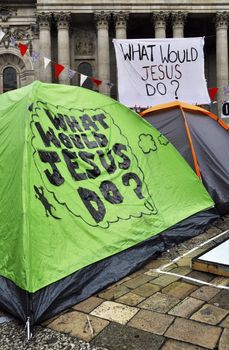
[[178, 85], [126, 178]]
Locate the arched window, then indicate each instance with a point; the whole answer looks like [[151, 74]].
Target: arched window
[[9, 79], [86, 69]]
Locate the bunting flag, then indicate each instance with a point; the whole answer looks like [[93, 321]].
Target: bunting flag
[[71, 73], [58, 69], [2, 34], [109, 85], [96, 81], [212, 93], [23, 48], [12, 41], [83, 78], [35, 56], [46, 62], [226, 89]]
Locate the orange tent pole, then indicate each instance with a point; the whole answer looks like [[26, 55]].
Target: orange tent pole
[[197, 169]]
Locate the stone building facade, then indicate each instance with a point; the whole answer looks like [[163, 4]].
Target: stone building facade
[[78, 35]]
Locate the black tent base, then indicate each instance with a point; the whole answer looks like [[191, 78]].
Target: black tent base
[[56, 297]]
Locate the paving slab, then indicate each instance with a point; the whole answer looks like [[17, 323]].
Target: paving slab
[[205, 293], [170, 267], [214, 230], [178, 345], [151, 321], [182, 271], [130, 299], [220, 281], [78, 324], [159, 302], [179, 290], [221, 299], [225, 322], [146, 290], [88, 305], [185, 261], [210, 314], [116, 312], [164, 280], [186, 307], [119, 337], [202, 276], [137, 281], [156, 263], [152, 273], [114, 292], [194, 332], [224, 340]]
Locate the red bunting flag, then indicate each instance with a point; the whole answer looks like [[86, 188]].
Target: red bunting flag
[[212, 93], [23, 48], [96, 81], [58, 69]]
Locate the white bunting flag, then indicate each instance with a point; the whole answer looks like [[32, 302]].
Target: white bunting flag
[[82, 79], [2, 34], [46, 62]]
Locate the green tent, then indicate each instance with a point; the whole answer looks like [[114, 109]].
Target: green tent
[[86, 187]]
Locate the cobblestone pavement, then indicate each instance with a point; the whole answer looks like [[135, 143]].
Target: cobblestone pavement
[[165, 305]]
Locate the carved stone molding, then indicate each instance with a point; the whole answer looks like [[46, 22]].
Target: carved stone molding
[[85, 43], [221, 19], [160, 18], [6, 13], [44, 19], [62, 19], [13, 60], [179, 18], [13, 34], [102, 19], [120, 19]]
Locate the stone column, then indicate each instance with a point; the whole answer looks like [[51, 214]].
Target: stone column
[[120, 19], [44, 20], [63, 20], [178, 21], [160, 19], [102, 22], [221, 55]]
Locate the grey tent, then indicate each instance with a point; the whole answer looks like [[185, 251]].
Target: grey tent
[[202, 139]]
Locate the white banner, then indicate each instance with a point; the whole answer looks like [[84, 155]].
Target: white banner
[[154, 71]]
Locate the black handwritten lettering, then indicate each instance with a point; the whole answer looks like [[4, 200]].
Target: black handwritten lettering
[[54, 178], [111, 167], [89, 198], [88, 158], [111, 192], [47, 137], [73, 165], [118, 149]]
